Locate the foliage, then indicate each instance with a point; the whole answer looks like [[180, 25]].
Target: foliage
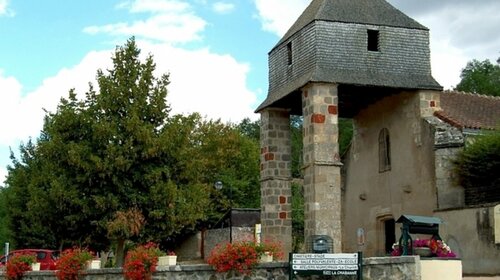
[[5, 234], [481, 77], [297, 216], [120, 149], [18, 265], [345, 135], [438, 248], [242, 256], [478, 163], [141, 262], [272, 247], [72, 263], [249, 129], [124, 225]]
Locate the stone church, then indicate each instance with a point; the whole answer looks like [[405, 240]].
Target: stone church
[[368, 61]]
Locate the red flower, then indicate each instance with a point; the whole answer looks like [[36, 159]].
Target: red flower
[[140, 263], [18, 265], [241, 256], [72, 263]]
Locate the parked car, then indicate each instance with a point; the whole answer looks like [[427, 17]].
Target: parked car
[[46, 258]]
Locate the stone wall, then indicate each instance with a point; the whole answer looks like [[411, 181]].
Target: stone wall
[[390, 268], [373, 197]]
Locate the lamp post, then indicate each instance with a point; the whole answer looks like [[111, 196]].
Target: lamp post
[[218, 186]]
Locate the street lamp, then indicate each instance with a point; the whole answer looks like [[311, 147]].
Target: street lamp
[[218, 186]]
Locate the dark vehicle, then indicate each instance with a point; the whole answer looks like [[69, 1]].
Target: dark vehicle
[[46, 258]]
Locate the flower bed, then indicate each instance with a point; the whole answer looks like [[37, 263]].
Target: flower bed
[[140, 262], [438, 248], [242, 256], [72, 263], [18, 265]]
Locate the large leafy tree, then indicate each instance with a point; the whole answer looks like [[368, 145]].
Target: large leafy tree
[[482, 77], [120, 151]]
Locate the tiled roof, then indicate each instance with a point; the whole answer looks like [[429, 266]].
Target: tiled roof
[[467, 110], [375, 12]]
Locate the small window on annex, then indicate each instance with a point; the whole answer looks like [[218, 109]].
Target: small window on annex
[[289, 53], [373, 40], [384, 151]]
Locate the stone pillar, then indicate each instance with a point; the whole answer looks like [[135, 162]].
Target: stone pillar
[[429, 102], [322, 190], [276, 175]]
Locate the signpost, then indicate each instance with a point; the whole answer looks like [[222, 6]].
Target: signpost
[[326, 264]]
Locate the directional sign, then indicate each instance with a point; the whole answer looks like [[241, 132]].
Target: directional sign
[[325, 264]]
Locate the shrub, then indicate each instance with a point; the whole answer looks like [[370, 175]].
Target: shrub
[[477, 166], [241, 256], [140, 263], [72, 263], [18, 265]]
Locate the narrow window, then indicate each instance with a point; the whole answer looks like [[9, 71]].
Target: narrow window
[[289, 53], [373, 38], [384, 150]]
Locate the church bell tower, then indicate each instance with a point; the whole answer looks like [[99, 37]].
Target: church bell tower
[[337, 58]]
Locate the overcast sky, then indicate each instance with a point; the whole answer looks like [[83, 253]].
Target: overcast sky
[[215, 51]]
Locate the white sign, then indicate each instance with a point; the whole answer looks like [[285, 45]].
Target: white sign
[[325, 261]]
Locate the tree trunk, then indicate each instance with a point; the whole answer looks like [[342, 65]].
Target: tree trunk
[[120, 253]]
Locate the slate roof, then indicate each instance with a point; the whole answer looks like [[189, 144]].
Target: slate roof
[[471, 111], [376, 12]]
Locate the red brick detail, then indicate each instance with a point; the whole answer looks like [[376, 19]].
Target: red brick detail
[[318, 118], [282, 199], [263, 150], [306, 93], [433, 103], [282, 215], [269, 156], [332, 109]]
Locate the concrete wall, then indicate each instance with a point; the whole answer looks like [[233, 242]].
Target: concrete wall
[[470, 233], [390, 268], [408, 188], [221, 236]]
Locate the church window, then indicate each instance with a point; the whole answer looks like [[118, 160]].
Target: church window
[[373, 40], [289, 53], [384, 150]]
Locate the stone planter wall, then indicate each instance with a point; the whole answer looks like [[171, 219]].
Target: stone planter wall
[[390, 268]]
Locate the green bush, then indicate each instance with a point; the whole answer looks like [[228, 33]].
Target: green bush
[[477, 165]]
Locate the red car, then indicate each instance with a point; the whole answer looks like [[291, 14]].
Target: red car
[[46, 258]]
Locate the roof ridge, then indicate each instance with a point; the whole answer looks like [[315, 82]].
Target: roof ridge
[[471, 94]]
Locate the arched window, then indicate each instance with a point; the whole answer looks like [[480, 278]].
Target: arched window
[[384, 151]]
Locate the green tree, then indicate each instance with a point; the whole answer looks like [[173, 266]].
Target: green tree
[[5, 235], [478, 163], [120, 149], [482, 77], [249, 128]]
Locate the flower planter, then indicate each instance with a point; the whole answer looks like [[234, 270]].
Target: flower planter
[[94, 264], [423, 251], [35, 266], [167, 260], [266, 257]]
